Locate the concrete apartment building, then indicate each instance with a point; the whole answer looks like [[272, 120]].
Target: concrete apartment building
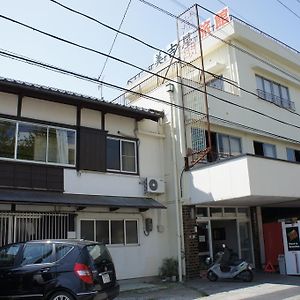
[[72, 166], [248, 181]]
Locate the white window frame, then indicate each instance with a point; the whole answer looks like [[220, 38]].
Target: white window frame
[[229, 137], [121, 158], [109, 230], [271, 96], [47, 143]]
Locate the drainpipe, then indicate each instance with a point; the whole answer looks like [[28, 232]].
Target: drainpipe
[[176, 183]]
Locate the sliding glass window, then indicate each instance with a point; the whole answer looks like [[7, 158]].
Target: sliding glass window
[[7, 139], [38, 143]]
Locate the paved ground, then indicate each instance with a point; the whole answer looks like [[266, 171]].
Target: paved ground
[[265, 286]]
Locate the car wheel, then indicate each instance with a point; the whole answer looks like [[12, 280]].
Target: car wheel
[[61, 296], [211, 276]]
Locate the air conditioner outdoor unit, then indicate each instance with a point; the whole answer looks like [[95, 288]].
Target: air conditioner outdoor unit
[[154, 185]]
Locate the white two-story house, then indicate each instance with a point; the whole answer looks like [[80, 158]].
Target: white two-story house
[[73, 166]]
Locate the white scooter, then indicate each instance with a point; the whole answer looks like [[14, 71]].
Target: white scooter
[[227, 268]]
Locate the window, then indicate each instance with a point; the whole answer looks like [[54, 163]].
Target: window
[[8, 255], [229, 145], [61, 250], [32, 142], [131, 232], [198, 139], [117, 232], [114, 232], [293, 155], [274, 92], [121, 155], [264, 149], [39, 143], [217, 83], [102, 231], [37, 254], [7, 139]]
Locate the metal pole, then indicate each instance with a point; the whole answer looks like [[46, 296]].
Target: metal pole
[[204, 81]]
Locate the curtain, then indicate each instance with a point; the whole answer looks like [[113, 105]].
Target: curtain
[[62, 146]]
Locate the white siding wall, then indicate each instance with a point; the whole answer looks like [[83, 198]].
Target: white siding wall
[[48, 111], [91, 118], [8, 104]]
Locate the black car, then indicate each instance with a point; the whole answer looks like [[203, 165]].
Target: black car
[[57, 270]]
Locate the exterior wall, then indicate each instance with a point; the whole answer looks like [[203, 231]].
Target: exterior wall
[[39, 110], [8, 104], [192, 261], [91, 118], [93, 183], [121, 126]]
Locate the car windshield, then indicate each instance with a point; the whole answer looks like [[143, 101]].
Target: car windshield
[[8, 255]]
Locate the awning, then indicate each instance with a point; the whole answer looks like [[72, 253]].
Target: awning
[[78, 200]]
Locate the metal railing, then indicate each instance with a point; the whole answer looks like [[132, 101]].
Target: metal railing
[[18, 227], [279, 101]]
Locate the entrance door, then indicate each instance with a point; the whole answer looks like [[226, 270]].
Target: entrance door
[[203, 243], [245, 241]]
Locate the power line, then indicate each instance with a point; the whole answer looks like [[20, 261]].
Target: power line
[[162, 51], [220, 39], [238, 14], [145, 70], [97, 81], [289, 9], [114, 40]]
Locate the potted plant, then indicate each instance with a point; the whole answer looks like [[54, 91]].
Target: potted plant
[[169, 269]]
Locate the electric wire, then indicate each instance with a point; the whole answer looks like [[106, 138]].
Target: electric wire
[[289, 9], [229, 81], [97, 81], [115, 38], [237, 13], [220, 39], [147, 71]]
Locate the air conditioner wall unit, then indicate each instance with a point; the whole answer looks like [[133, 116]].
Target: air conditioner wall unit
[[154, 185]]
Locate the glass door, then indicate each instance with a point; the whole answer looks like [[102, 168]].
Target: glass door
[[203, 235], [245, 241]]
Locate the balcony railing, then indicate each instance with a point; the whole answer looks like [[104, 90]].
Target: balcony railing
[[285, 103]]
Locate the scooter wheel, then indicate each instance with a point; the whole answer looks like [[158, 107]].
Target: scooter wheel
[[246, 276], [211, 276]]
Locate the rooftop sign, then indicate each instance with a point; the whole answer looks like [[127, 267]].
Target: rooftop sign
[[188, 45]]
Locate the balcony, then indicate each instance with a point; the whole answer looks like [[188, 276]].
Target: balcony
[[245, 180]]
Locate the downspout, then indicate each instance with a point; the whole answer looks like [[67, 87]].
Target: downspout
[[176, 185]]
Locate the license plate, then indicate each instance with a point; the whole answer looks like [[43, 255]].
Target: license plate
[[105, 278]]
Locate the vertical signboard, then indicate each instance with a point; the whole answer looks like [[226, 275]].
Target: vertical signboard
[[292, 238]]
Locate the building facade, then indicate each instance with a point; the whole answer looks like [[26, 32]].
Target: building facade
[[77, 167], [238, 192]]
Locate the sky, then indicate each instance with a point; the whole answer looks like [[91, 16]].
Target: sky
[[141, 21]]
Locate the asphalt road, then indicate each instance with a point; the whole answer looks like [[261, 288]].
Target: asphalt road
[[265, 286]]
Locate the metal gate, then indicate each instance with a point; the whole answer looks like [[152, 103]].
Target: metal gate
[[18, 227]]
